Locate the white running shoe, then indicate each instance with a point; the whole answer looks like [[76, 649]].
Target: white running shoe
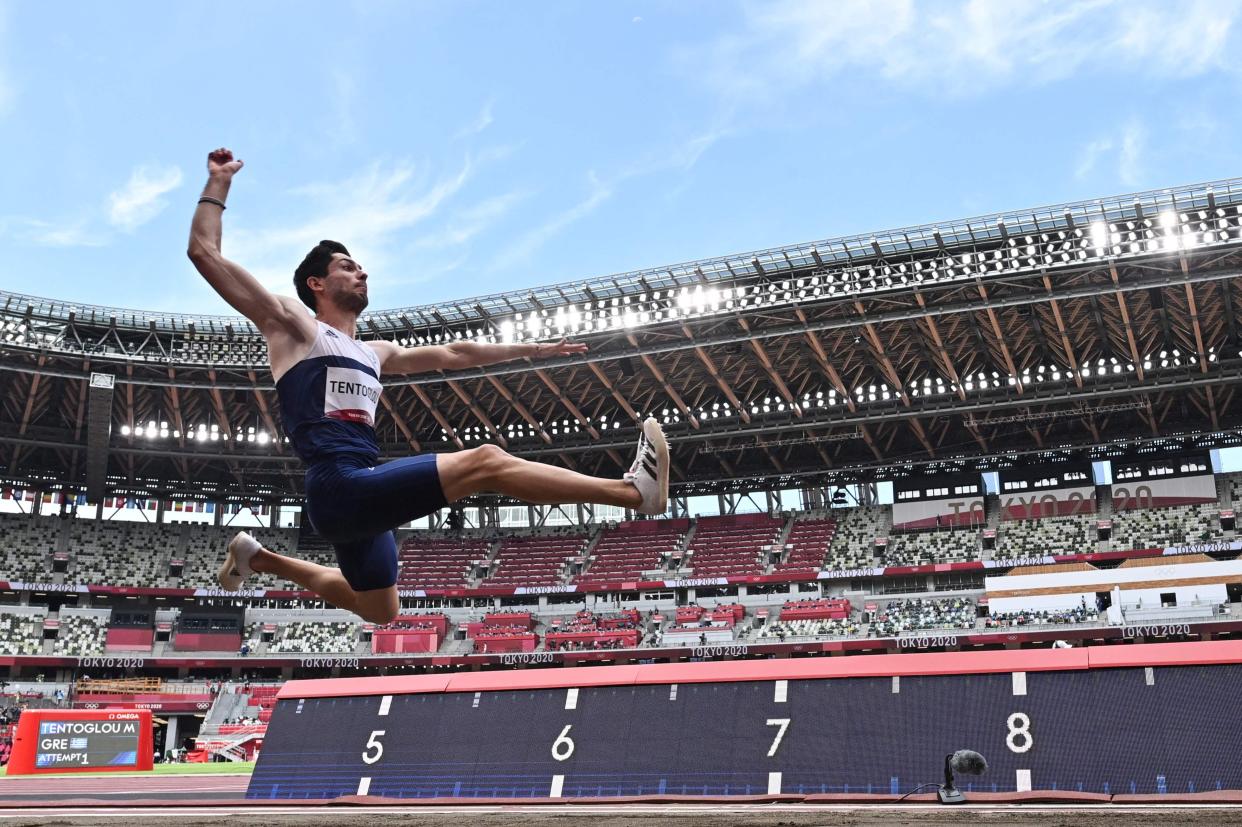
[[649, 473], [236, 566]]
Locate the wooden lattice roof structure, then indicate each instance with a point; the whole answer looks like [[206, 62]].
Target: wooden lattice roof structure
[[1086, 330]]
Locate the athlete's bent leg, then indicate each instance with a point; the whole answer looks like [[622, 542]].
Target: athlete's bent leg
[[373, 605]]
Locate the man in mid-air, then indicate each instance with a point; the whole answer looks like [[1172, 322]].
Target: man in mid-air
[[328, 383]]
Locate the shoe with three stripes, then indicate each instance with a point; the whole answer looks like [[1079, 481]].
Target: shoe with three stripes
[[649, 473], [236, 566]]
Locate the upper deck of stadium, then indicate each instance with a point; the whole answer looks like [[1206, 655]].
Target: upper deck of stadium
[[853, 265], [1090, 326]]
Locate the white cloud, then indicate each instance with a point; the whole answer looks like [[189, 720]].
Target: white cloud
[[482, 121], [343, 95], [1090, 155], [1127, 149], [8, 92], [1130, 155], [52, 234], [528, 243], [963, 46], [141, 199], [679, 158], [467, 223], [367, 212]]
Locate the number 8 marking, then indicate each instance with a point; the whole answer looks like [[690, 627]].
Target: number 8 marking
[[1019, 723]]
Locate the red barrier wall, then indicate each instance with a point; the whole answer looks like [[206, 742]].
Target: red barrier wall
[[207, 642], [931, 663], [398, 641], [129, 639]]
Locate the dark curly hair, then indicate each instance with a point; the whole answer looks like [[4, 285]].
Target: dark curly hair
[[315, 265]]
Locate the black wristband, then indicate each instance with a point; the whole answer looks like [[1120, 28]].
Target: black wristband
[[207, 199]]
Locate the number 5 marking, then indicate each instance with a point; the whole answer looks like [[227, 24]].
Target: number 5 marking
[[783, 723], [373, 744]]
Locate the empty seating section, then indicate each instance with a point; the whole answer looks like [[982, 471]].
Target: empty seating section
[[1175, 525], [808, 544], [252, 634], [138, 554], [587, 630], [625, 552], [724, 546], [534, 561], [201, 555], [81, 634], [781, 629], [853, 543], [1055, 617], [942, 546], [261, 702], [495, 638], [822, 608], [914, 615], [21, 634], [1033, 538], [439, 563], [314, 637], [27, 546], [1234, 483], [118, 553]]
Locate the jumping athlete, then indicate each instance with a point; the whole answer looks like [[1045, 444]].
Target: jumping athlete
[[328, 384]]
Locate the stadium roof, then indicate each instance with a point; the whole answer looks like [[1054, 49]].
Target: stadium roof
[[1083, 327]]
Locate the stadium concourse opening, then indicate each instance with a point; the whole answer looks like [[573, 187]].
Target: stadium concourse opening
[[990, 455]]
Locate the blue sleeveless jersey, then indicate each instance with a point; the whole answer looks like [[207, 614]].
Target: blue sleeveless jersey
[[328, 399]]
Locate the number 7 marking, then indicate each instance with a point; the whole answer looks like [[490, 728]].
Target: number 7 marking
[[783, 723]]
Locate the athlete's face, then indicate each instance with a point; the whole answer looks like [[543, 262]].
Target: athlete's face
[[346, 284]]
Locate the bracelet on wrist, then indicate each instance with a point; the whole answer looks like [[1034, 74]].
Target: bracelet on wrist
[[207, 199]]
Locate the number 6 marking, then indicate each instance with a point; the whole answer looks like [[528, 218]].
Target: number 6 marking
[[372, 743], [783, 723], [563, 746], [1019, 723]]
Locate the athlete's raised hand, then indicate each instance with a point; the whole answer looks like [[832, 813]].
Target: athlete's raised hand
[[547, 350], [220, 162]]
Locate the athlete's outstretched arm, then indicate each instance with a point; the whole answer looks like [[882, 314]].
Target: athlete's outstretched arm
[[272, 315], [461, 355]]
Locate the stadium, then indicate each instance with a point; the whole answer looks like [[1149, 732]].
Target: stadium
[[960, 480]]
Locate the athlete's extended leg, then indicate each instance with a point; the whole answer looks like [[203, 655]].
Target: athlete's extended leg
[[490, 468]]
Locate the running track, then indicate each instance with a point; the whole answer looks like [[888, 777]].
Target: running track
[[198, 788]]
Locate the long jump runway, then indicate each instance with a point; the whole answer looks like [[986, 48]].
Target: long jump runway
[[61, 790], [202, 800], [615, 815]]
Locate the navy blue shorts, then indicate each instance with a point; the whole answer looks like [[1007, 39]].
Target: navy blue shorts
[[355, 506]]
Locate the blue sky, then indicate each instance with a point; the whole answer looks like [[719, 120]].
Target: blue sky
[[466, 148]]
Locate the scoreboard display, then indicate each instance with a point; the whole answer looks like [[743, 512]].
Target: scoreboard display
[[60, 740], [684, 731]]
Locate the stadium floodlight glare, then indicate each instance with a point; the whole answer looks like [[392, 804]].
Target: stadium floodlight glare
[[1099, 236]]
